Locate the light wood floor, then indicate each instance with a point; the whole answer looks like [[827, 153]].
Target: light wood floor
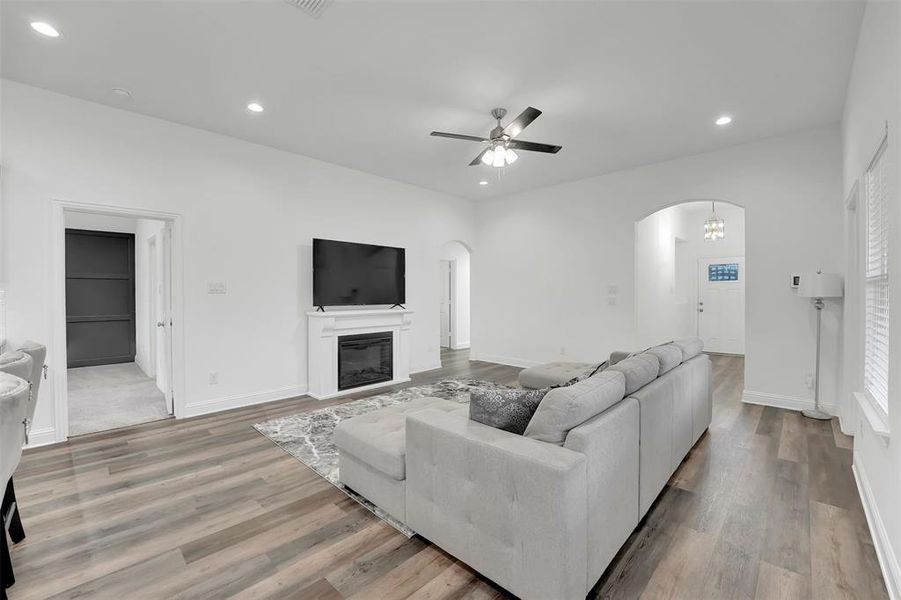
[[764, 506]]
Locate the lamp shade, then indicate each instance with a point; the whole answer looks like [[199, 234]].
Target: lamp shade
[[821, 285]]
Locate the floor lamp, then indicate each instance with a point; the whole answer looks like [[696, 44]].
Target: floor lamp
[[819, 285]]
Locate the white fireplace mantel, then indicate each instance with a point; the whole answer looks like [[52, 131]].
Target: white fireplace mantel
[[324, 329]]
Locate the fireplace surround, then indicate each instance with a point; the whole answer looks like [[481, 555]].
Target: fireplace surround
[[325, 331]]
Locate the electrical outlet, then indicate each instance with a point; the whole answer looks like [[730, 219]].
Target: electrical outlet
[[214, 377], [808, 381]]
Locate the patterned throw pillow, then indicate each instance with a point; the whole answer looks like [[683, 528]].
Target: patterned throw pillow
[[507, 409], [589, 373]]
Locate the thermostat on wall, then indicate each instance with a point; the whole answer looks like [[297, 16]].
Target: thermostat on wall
[[796, 280]]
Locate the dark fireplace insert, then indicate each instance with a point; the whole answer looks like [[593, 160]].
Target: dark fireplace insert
[[365, 359]]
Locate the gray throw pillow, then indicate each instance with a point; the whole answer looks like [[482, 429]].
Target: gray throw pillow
[[507, 409]]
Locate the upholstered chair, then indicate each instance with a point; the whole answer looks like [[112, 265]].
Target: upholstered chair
[[38, 353], [20, 370], [14, 398]]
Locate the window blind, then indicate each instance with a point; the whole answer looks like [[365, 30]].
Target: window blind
[[876, 286]]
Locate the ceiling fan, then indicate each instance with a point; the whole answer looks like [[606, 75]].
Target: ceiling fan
[[501, 142]]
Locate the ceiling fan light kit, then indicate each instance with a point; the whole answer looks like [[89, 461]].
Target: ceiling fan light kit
[[501, 149]]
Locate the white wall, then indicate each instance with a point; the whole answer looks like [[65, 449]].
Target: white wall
[[460, 326], [94, 222], [546, 258], [668, 245], [249, 214], [874, 98]]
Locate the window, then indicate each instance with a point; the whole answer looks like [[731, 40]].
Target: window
[[876, 284], [722, 272]]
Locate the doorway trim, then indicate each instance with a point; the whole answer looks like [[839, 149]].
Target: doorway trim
[[57, 273]]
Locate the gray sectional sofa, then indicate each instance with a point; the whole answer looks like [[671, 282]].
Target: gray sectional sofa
[[542, 514]]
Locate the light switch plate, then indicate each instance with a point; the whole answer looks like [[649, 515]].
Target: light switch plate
[[216, 287]]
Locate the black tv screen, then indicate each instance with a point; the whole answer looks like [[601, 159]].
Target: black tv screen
[[345, 273]]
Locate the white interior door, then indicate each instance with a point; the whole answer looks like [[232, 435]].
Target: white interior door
[[721, 304], [445, 308], [164, 317], [153, 262]]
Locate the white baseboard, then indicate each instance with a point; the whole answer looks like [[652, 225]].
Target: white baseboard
[[242, 400], [888, 561], [505, 360], [780, 401], [41, 437], [424, 368], [464, 346]]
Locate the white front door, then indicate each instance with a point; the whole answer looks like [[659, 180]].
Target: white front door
[[445, 307], [721, 304]]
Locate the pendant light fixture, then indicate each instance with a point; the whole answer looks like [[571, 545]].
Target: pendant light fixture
[[714, 226]]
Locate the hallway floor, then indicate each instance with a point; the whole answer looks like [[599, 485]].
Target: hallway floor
[[112, 396]]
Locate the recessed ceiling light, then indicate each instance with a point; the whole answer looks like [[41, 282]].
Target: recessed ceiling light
[[483, 183], [724, 120], [255, 107], [45, 29]]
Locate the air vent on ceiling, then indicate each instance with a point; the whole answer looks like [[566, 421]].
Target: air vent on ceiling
[[314, 8]]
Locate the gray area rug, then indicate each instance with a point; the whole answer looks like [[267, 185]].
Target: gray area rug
[[307, 436], [112, 396]]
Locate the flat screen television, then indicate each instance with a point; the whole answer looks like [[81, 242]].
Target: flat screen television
[[346, 274]]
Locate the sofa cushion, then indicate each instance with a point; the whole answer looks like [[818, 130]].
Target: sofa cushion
[[638, 370], [669, 355], [690, 347], [565, 408], [507, 409], [553, 373], [377, 437]]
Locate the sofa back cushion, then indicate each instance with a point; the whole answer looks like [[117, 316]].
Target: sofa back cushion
[[507, 409], [567, 407], [638, 370], [690, 347], [669, 355]]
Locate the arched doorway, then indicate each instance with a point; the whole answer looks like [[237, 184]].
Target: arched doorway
[[453, 273], [690, 277]]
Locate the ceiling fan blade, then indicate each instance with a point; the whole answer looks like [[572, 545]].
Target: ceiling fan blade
[[533, 146], [521, 122], [459, 136], [478, 159]]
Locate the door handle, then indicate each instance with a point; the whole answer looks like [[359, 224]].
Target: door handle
[[160, 324], [700, 310]]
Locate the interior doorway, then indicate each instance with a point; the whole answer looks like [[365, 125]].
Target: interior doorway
[[453, 310], [118, 304], [689, 282]]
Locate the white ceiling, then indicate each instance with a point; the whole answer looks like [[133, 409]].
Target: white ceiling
[[620, 83]]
